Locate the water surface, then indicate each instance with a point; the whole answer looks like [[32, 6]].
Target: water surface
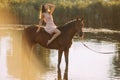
[[84, 64]]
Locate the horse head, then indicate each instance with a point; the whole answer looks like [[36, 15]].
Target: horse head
[[79, 26]]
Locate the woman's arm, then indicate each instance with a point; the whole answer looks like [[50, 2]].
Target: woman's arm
[[40, 22], [52, 7], [41, 18]]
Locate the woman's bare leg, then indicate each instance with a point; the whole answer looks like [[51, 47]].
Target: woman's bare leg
[[57, 33]]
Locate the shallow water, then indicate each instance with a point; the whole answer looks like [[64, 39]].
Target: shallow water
[[84, 64]]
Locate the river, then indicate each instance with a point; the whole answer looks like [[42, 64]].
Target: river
[[84, 64]]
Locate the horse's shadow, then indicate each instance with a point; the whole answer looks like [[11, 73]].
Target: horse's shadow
[[59, 74]]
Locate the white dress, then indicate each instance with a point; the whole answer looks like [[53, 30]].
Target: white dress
[[50, 26]]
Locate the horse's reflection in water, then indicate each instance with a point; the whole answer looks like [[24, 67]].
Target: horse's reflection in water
[[65, 76]]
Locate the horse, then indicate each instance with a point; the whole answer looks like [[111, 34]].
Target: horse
[[62, 43]]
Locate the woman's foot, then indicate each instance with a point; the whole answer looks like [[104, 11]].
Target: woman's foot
[[49, 41]]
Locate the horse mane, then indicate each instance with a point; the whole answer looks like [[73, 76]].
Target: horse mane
[[67, 24], [71, 21]]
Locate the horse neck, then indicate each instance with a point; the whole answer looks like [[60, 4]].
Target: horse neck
[[71, 31]]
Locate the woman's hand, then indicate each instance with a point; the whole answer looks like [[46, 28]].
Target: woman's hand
[[38, 29], [51, 7]]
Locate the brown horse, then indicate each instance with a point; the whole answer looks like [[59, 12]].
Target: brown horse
[[61, 43]]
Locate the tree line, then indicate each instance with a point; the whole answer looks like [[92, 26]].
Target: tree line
[[97, 13]]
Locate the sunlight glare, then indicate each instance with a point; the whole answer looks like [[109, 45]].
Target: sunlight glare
[[4, 46]]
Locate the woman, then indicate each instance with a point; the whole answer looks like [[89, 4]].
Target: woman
[[46, 16]]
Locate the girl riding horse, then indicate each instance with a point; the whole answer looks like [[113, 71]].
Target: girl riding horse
[[47, 17], [62, 43]]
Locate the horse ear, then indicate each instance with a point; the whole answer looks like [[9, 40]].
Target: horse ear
[[78, 18]]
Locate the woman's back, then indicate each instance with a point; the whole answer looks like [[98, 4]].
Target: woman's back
[[48, 18]]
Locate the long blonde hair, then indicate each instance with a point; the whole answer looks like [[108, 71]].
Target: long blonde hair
[[42, 10], [40, 13]]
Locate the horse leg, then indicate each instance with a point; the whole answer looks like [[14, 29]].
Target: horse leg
[[59, 74], [66, 54], [59, 57], [65, 74]]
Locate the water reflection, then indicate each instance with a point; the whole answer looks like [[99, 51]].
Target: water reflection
[[3, 57], [65, 76], [84, 64], [14, 64], [103, 37], [110, 38], [115, 67]]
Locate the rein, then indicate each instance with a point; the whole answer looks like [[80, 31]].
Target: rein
[[98, 51]]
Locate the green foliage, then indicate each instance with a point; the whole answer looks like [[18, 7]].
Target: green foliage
[[97, 13], [26, 12]]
